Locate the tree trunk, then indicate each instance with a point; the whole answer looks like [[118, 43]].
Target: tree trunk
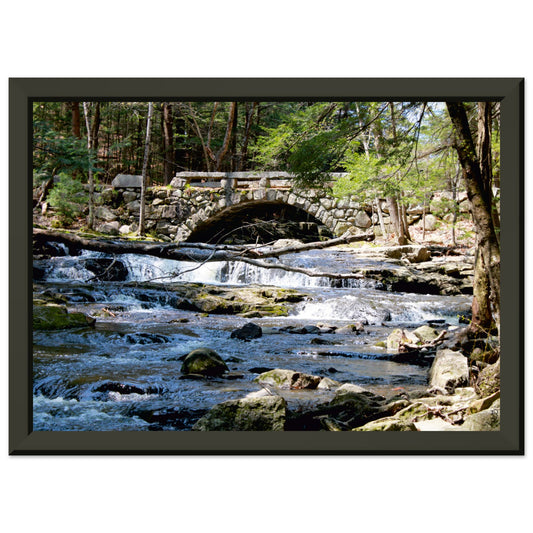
[[380, 217], [246, 137], [481, 205], [95, 128], [233, 143], [221, 154], [145, 168], [481, 313], [396, 220], [76, 126], [168, 143], [90, 220]]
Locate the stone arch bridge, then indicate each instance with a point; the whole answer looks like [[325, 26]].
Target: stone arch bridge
[[197, 205]]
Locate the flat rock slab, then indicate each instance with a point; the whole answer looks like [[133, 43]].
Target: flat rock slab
[[436, 424], [127, 180]]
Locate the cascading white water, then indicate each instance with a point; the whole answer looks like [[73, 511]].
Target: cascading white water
[[377, 306], [239, 273], [356, 300]]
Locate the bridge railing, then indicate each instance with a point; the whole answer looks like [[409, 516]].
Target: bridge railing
[[241, 180]]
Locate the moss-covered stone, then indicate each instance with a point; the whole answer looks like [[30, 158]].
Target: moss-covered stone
[[204, 362], [248, 414], [249, 302], [52, 317], [488, 381], [288, 379]]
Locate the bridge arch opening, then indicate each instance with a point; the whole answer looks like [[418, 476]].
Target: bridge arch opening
[[262, 222]]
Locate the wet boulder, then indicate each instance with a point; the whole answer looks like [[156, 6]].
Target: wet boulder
[[320, 341], [351, 407], [425, 334], [106, 269], [304, 330], [399, 337], [351, 392], [288, 379], [328, 384], [265, 413], [357, 328], [247, 332], [449, 370], [204, 362], [146, 338]]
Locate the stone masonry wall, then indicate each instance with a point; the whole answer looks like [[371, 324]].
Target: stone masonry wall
[[173, 212]]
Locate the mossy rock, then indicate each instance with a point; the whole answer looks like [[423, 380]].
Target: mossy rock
[[488, 381], [204, 362], [52, 317], [248, 414], [288, 379], [209, 303]]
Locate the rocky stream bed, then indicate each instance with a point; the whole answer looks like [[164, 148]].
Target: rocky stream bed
[[136, 343]]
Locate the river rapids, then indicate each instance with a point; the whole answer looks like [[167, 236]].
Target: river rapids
[[124, 374]]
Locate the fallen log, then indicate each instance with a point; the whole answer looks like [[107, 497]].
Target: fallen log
[[184, 251], [200, 253]]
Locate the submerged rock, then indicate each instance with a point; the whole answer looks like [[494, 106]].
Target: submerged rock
[[204, 362], [265, 413]]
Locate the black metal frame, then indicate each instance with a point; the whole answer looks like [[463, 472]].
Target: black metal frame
[[508, 441]]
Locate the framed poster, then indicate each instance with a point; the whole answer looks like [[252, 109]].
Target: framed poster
[[120, 382]]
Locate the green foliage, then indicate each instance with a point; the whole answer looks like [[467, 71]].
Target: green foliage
[[68, 198], [54, 152], [311, 143]]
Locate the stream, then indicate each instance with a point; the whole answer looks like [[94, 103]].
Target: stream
[[124, 374]]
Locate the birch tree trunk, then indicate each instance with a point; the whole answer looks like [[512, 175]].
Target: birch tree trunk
[[90, 219], [145, 168]]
